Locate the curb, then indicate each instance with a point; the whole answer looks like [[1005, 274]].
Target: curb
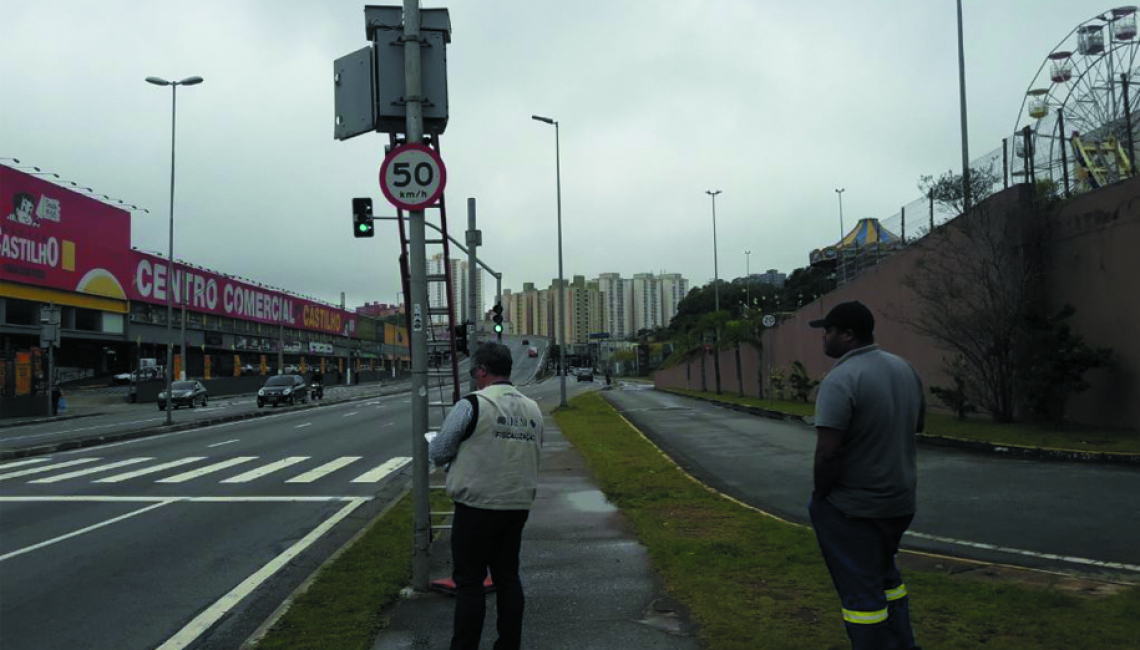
[[82, 443], [57, 418], [1012, 451]]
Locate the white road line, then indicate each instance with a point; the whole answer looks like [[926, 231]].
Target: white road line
[[186, 499], [1018, 551], [374, 475], [219, 444], [208, 469], [91, 470], [324, 470], [373, 404], [46, 468], [223, 605], [267, 469], [88, 529], [98, 426], [348, 415], [302, 426], [118, 478], [390, 424], [29, 461]]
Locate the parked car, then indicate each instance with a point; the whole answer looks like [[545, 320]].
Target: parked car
[[532, 352], [143, 374], [184, 393], [585, 374], [283, 389]]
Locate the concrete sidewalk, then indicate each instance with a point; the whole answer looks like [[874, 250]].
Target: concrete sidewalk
[[588, 581]]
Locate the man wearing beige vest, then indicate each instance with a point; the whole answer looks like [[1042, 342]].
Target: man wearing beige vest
[[490, 443]]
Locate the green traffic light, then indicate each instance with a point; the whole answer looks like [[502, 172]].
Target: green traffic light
[[498, 328], [364, 227]]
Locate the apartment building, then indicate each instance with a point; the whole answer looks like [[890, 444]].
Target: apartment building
[[673, 288], [459, 271]]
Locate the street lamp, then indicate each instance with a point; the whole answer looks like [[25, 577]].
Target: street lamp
[[716, 293], [747, 277], [158, 81], [842, 231], [561, 332]]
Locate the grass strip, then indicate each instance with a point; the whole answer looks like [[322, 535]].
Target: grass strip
[[343, 607], [753, 582], [978, 428]]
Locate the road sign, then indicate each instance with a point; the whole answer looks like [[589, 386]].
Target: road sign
[[417, 318], [412, 176], [769, 320]]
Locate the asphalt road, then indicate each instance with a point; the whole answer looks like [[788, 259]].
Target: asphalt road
[[1072, 517], [193, 538]]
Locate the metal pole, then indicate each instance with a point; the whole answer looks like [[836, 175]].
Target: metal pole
[[903, 228], [1128, 125], [185, 300], [930, 195], [842, 230], [561, 286], [965, 130], [1030, 155], [1005, 161], [1064, 153], [281, 342], [170, 268], [716, 296], [417, 286], [499, 300], [472, 272], [747, 279]]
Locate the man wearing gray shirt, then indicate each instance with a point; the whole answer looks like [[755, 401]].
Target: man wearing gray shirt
[[869, 408]]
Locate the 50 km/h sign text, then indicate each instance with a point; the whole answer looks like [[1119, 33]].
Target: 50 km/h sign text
[[412, 177]]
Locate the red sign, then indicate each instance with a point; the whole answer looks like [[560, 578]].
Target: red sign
[[412, 176], [54, 237], [218, 294]]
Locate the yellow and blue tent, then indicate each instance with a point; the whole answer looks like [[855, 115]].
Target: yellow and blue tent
[[869, 232]]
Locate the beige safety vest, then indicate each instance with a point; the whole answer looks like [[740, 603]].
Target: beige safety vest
[[497, 467]]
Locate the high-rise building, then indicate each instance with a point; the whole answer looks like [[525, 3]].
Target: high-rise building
[[617, 303], [646, 302], [459, 278], [674, 288], [772, 277]]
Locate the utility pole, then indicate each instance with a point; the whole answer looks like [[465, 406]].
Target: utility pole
[[965, 131], [474, 240], [417, 285]]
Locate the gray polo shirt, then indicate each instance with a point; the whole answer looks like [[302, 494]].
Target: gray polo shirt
[[875, 397]]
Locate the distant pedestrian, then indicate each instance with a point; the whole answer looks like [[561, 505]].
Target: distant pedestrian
[[491, 441], [869, 408]]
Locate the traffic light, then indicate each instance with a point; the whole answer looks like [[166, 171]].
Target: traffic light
[[461, 338], [362, 218], [498, 319]]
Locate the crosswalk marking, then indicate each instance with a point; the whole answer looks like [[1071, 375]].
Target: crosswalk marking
[[324, 470], [208, 469], [91, 470], [29, 461], [267, 469], [374, 475], [46, 468], [118, 478]]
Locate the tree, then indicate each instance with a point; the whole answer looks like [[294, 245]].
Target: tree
[[800, 382], [1053, 363], [976, 287], [946, 190]]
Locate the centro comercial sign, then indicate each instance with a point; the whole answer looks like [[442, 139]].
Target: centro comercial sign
[[206, 291]]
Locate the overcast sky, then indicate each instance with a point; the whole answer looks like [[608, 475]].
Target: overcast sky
[[774, 103]]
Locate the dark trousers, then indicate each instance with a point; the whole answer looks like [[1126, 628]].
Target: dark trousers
[[481, 540], [860, 555]]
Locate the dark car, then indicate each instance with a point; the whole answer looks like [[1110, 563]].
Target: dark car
[[185, 393], [585, 374], [283, 389]]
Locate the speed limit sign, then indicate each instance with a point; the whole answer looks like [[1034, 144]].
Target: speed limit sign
[[413, 176], [769, 320]]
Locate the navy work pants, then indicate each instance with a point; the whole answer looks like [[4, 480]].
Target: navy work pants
[[481, 540], [860, 555]]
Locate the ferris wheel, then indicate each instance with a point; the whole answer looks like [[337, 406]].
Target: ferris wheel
[[1080, 119]]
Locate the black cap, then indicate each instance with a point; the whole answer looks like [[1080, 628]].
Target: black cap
[[852, 315]]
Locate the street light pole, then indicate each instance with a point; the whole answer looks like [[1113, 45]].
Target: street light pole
[[158, 81], [965, 131], [842, 230], [561, 324], [747, 279], [716, 294]]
